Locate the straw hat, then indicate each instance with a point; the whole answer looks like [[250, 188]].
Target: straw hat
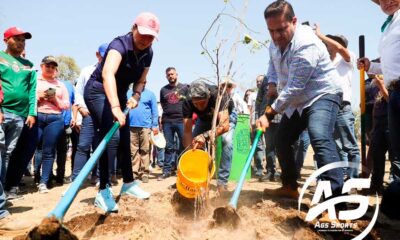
[[229, 81]]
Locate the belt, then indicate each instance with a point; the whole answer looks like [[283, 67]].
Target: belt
[[344, 103]]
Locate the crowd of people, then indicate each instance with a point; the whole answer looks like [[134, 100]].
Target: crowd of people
[[303, 99]]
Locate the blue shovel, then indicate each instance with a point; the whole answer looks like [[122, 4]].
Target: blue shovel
[[51, 225], [227, 216]]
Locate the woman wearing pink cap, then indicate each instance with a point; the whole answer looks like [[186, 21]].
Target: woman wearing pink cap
[[127, 60]]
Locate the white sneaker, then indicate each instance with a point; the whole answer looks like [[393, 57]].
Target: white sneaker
[[13, 194], [43, 188]]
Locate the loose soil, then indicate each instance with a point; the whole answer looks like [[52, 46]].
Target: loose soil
[[167, 215]]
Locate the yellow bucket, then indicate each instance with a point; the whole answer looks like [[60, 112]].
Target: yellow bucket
[[193, 172]]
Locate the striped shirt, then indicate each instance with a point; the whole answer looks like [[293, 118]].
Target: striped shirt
[[303, 72]]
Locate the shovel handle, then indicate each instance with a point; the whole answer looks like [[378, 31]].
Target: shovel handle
[[238, 189], [66, 201]]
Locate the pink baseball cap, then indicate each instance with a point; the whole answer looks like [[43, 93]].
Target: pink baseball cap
[[15, 31], [148, 24]]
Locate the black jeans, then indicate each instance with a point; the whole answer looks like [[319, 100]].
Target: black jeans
[[62, 149], [21, 156], [379, 145]]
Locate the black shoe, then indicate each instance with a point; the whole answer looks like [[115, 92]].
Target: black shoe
[[37, 177], [67, 180], [22, 183], [268, 177], [28, 173], [164, 176], [374, 189], [59, 181], [259, 173]]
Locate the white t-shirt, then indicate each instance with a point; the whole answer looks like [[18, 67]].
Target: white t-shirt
[[239, 103], [389, 51], [251, 102], [345, 70]]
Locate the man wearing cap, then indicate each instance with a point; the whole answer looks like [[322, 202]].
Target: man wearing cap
[[389, 66], [310, 97], [344, 60], [127, 60], [202, 101], [18, 80], [239, 107], [88, 138], [172, 97]]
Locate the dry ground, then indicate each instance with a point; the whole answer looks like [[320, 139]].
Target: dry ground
[[262, 217]]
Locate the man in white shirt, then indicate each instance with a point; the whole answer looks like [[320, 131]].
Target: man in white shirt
[[344, 60], [389, 51]]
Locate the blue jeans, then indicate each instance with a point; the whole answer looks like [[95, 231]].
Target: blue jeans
[[259, 153], [160, 156], [301, 148], [270, 147], [3, 212], [170, 129], [88, 139], [50, 128], [224, 169], [346, 140], [227, 141], [12, 128], [21, 156], [103, 120], [320, 120], [394, 130]]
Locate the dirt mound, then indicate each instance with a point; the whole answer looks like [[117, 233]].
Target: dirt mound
[[95, 224], [49, 229]]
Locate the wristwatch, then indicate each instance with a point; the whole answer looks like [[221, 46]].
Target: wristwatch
[[206, 135], [268, 113]]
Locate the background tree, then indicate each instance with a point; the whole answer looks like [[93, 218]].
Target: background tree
[[67, 68]]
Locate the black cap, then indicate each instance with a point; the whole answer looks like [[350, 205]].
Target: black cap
[[199, 89], [49, 59]]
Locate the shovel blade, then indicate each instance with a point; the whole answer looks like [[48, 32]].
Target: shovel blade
[[226, 217]]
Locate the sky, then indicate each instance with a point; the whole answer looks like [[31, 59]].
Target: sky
[[76, 28]]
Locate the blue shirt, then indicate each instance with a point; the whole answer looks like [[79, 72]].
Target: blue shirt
[[146, 114], [131, 67], [303, 72], [67, 114]]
